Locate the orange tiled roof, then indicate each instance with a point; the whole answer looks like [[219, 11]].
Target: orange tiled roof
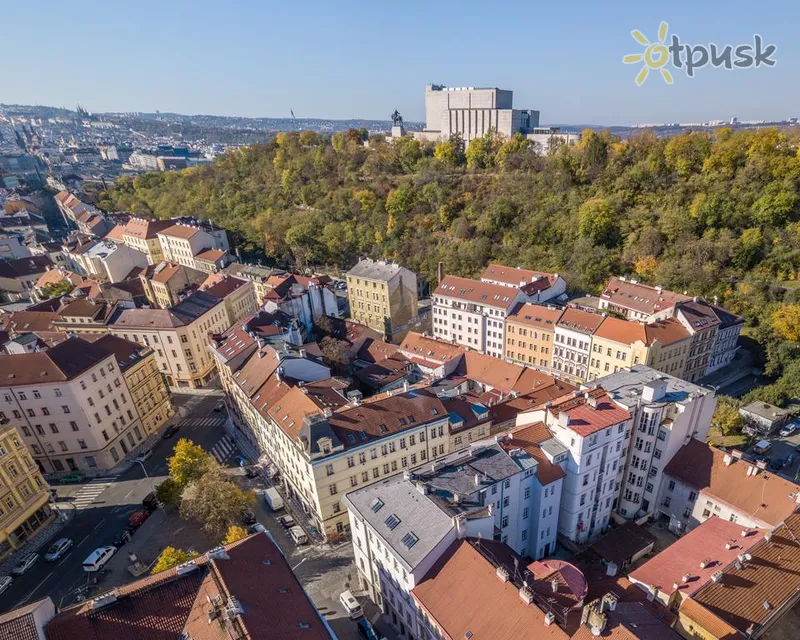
[[640, 297], [622, 331], [477, 292]]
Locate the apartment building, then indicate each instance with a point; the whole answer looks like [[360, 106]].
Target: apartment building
[[24, 495], [714, 336], [151, 397], [637, 301], [18, 277], [382, 295], [572, 342], [595, 431], [304, 298], [402, 525], [473, 313], [182, 242], [107, 261], [668, 343], [665, 412], [702, 482], [142, 234], [537, 286], [530, 334], [177, 335], [211, 260], [617, 344], [166, 283], [71, 405], [237, 295]]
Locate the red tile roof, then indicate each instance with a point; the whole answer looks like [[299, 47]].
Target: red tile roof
[[585, 419], [477, 292], [531, 282], [764, 496], [666, 332], [456, 593], [210, 255], [415, 344], [580, 320], [704, 545], [180, 231], [622, 331], [639, 297], [536, 315]]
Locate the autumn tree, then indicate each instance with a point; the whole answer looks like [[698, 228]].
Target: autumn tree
[[215, 502], [189, 463], [168, 492], [727, 417], [235, 532], [172, 557], [786, 322]]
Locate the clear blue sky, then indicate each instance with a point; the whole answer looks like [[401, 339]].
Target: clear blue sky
[[342, 59]]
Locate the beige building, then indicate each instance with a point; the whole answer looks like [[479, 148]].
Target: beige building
[[142, 234], [24, 496], [617, 344], [238, 295], [178, 336], [529, 335], [182, 242], [71, 405], [382, 295], [669, 343], [150, 395], [166, 282]]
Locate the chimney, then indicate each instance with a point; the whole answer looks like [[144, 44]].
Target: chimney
[[405, 386], [440, 271], [549, 618], [727, 459], [554, 585], [502, 574], [526, 595], [609, 602]]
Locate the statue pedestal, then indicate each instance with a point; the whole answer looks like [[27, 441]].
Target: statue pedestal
[[398, 131]]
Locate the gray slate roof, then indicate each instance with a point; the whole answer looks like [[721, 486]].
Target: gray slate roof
[[625, 387], [375, 270]]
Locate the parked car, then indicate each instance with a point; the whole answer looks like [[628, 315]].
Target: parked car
[[273, 499], [5, 583], [298, 536], [788, 430], [26, 563], [150, 502], [144, 456], [366, 630], [248, 517], [138, 518], [58, 549], [256, 528], [170, 431], [762, 446], [74, 477], [351, 606], [98, 558], [777, 464], [287, 522], [123, 536]]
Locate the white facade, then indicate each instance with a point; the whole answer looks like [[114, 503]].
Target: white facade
[[571, 351], [109, 262]]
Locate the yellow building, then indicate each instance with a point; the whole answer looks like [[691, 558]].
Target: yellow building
[[24, 496], [529, 335], [617, 344], [238, 295], [669, 343], [142, 234], [148, 392], [164, 283], [382, 295]]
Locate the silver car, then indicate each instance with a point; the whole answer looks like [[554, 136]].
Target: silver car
[[58, 549], [26, 563]]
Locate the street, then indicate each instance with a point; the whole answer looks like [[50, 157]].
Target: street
[[102, 507]]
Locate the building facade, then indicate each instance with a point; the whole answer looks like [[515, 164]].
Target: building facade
[[572, 343], [382, 295], [529, 335]]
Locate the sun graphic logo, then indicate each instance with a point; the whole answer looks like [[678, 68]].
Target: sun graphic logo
[[655, 56]]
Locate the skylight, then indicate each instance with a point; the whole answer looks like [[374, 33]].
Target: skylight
[[410, 540], [377, 505], [392, 521]]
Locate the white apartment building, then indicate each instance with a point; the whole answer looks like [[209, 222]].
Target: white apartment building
[[403, 524], [109, 262], [182, 242], [71, 405], [595, 432], [537, 286], [472, 313], [572, 343], [666, 412]]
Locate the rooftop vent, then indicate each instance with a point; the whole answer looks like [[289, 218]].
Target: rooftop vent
[[549, 618], [218, 553], [104, 600], [502, 574], [716, 576], [186, 568]]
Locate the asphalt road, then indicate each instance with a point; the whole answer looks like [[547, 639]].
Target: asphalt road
[[96, 522]]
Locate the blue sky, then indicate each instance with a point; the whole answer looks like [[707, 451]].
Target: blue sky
[[342, 59]]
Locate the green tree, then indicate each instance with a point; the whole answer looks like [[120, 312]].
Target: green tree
[[168, 492], [727, 417], [58, 289], [188, 463], [596, 221], [172, 557], [215, 502], [482, 151]]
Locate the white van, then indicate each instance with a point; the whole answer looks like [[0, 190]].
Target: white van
[[351, 606], [298, 536], [98, 558], [273, 499]]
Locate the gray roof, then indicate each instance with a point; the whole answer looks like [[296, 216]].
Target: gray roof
[[417, 514], [375, 270], [765, 410], [625, 387]]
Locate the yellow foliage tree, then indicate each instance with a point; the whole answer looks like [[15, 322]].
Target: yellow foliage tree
[[786, 322], [189, 463], [235, 532], [172, 557]]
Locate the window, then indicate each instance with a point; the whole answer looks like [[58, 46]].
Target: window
[[525, 513], [333, 490], [45, 411], [73, 425], [671, 486], [65, 408], [114, 454], [82, 444], [53, 428], [528, 492], [504, 522]]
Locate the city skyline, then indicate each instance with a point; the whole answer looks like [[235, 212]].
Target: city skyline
[[355, 62]]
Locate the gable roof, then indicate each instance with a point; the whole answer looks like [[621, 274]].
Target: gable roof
[[475, 291], [665, 332], [24, 267], [586, 419], [621, 331], [530, 282], [764, 496], [180, 231], [536, 315], [580, 320], [464, 576], [64, 361], [415, 345], [629, 294], [529, 438]]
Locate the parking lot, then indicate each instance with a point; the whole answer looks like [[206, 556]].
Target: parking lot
[[782, 448]]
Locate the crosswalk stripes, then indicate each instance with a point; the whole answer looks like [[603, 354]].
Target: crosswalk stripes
[[89, 492], [223, 449]]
